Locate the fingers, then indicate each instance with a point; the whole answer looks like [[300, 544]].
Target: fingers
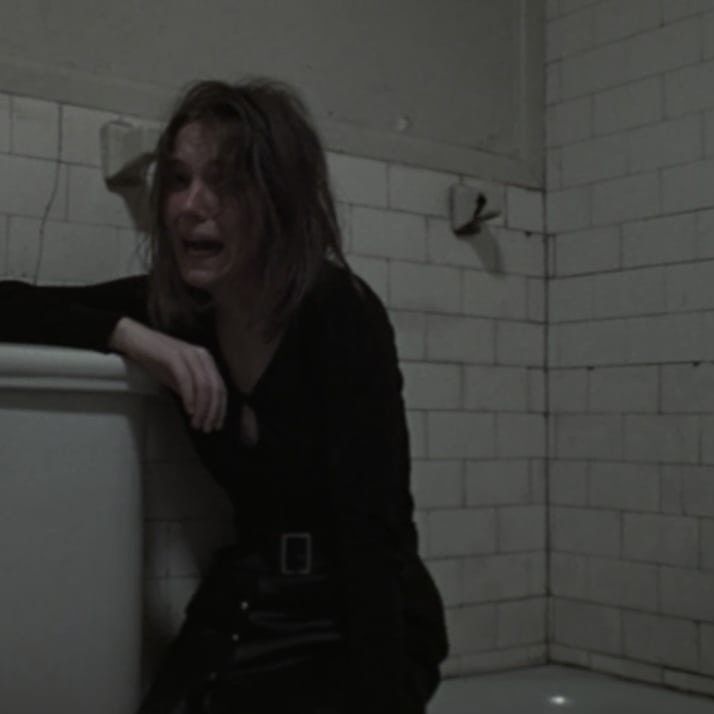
[[187, 369], [181, 381], [206, 398]]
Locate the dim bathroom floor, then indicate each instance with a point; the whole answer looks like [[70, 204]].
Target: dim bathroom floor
[[553, 689]]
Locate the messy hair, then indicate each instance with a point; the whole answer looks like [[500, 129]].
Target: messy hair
[[274, 160]]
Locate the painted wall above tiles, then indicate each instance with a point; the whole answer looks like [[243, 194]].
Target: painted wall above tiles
[[457, 87]]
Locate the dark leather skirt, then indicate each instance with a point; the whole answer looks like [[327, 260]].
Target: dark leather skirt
[[259, 643], [318, 684]]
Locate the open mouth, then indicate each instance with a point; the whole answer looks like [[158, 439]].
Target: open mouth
[[204, 247]]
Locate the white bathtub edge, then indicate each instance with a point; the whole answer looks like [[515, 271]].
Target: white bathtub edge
[[49, 368]]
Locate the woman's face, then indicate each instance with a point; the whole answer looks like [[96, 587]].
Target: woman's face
[[203, 215]]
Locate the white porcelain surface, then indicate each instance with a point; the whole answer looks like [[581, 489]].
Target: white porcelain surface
[[70, 537], [553, 689], [38, 367]]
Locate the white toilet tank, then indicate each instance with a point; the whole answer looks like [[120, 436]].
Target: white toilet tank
[[70, 531]]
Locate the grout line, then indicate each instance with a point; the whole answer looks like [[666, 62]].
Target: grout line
[[547, 247]]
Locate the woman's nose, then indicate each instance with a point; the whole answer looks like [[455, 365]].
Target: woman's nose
[[200, 200]]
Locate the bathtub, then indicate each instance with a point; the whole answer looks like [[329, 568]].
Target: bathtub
[[552, 689], [70, 531]]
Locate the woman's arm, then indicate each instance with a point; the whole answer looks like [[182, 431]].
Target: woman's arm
[[188, 370], [113, 317], [82, 317]]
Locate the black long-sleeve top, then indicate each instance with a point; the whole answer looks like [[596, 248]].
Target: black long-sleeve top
[[332, 457]]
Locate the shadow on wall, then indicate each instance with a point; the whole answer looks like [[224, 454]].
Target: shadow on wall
[[486, 247]]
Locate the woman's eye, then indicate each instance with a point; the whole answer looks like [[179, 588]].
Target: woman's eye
[[217, 181], [176, 180]]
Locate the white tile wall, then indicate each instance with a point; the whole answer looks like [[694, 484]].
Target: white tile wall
[[624, 486], [523, 251], [632, 105], [614, 20], [461, 531], [495, 388], [656, 241], [358, 181], [444, 250], [632, 501], [519, 343], [688, 682], [622, 584], [568, 483], [586, 531], [437, 483], [521, 528], [619, 389], [521, 622], [660, 640], [90, 202], [418, 286], [581, 436], [432, 386], [460, 339], [28, 184], [682, 89], [687, 593], [497, 296], [491, 483], [419, 191], [568, 209], [495, 578], [587, 626], [570, 34], [525, 210], [388, 234], [627, 669], [676, 9], [35, 127], [461, 434], [594, 159], [410, 333], [521, 436], [622, 199], [569, 122], [5, 123], [586, 251], [682, 187], [592, 71], [472, 628], [668, 143], [569, 575], [668, 540], [675, 45], [640, 292], [697, 489], [707, 643], [672, 439]]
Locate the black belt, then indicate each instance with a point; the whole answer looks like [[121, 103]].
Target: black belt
[[292, 552], [296, 553]]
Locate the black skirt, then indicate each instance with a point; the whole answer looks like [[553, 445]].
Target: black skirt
[[258, 642], [318, 684]]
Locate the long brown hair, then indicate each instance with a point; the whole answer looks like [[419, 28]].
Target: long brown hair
[[274, 158]]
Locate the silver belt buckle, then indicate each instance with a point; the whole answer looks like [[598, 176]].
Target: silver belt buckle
[[296, 553]]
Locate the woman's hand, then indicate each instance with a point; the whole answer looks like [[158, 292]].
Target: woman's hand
[[189, 370]]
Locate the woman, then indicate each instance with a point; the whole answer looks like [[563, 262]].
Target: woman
[[285, 366]]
